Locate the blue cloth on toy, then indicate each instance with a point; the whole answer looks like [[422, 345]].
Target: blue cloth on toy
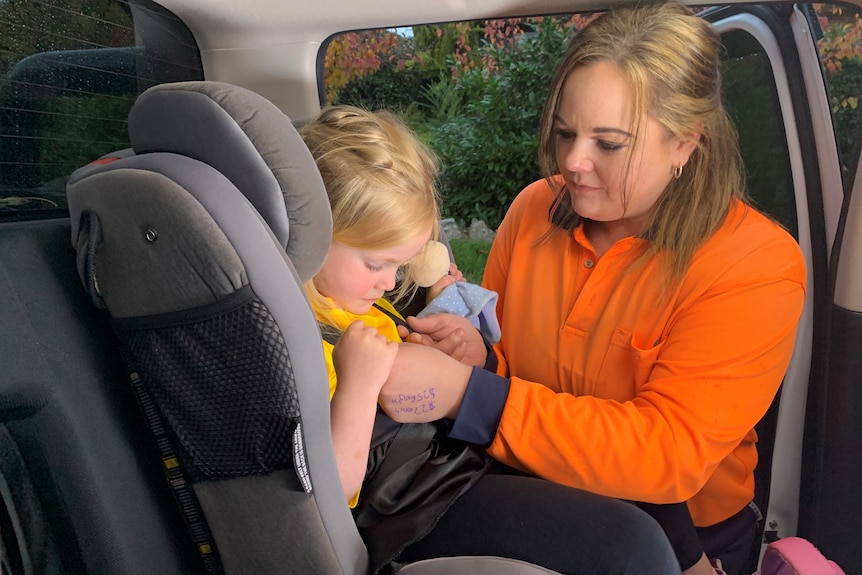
[[472, 301]]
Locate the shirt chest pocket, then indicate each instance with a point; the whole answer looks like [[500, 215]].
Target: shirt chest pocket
[[626, 366]]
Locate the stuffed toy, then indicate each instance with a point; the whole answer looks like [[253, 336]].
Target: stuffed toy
[[461, 298]]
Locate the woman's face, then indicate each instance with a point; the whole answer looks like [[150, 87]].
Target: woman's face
[[594, 139], [355, 278]]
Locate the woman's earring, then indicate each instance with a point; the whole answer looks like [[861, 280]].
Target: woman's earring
[[677, 172]]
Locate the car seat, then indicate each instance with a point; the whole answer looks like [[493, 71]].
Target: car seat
[[196, 244]]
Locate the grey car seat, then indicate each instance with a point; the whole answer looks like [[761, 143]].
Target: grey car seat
[[196, 244]]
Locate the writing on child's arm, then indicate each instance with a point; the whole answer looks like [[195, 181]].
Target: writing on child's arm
[[415, 403]]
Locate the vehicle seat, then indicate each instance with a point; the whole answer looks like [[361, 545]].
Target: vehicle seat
[[197, 245]]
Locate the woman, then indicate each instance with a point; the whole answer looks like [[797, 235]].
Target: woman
[[648, 311]]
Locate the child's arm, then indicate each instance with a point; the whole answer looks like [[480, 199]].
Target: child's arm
[[362, 359]]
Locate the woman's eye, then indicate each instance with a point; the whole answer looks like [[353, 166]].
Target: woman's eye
[[565, 134], [372, 267], [608, 146]]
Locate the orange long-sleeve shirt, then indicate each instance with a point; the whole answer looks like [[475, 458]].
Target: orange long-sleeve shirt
[[622, 393]]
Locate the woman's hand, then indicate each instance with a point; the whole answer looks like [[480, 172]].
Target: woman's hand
[[363, 357], [452, 334], [424, 385], [453, 276]]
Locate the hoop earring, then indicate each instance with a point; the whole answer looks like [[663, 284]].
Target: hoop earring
[[677, 172]]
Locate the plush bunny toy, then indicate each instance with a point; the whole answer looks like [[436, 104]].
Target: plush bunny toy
[[431, 263], [461, 298]]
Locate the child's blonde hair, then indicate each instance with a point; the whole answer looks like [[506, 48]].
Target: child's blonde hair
[[380, 180]]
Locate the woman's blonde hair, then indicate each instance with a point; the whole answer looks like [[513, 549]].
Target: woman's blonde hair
[[671, 59], [380, 179]]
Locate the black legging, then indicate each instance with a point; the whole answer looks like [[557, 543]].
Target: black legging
[[675, 521], [564, 529]]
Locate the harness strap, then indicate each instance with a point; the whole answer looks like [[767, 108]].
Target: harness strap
[[393, 317]]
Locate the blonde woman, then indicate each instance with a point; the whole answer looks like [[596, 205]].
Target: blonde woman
[[648, 311]]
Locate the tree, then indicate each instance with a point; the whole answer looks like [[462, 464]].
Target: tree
[[355, 55]]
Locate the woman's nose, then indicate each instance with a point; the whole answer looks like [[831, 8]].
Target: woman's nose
[[577, 158]]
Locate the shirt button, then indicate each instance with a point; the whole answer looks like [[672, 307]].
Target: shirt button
[[588, 263]]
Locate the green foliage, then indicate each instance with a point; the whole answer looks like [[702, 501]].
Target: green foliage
[[387, 88], [471, 255], [479, 103], [845, 93], [443, 100], [489, 149], [479, 111], [435, 44]]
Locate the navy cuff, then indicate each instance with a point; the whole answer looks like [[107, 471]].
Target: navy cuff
[[481, 409]]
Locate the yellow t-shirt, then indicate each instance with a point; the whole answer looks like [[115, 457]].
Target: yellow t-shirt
[[340, 319]]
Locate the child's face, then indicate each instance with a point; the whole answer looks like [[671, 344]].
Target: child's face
[[355, 278]]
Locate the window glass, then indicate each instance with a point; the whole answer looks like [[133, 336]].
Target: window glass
[[840, 49], [751, 100], [474, 91], [70, 70]]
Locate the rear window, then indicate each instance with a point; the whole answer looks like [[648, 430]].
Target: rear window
[[69, 73]]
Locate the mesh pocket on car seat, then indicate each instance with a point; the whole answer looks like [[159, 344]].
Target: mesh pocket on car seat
[[221, 377]]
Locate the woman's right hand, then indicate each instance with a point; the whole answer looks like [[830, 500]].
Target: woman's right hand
[[452, 334], [363, 357]]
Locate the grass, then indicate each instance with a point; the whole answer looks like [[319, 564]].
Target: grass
[[470, 255]]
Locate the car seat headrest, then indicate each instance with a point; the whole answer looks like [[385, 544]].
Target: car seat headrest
[[249, 140]]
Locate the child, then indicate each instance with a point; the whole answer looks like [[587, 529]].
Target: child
[[380, 182]]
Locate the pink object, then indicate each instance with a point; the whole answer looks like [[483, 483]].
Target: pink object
[[796, 556]]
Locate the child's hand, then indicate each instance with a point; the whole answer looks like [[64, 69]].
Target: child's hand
[[363, 357], [453, 276]]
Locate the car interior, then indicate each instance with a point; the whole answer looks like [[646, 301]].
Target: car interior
[[159, 213]]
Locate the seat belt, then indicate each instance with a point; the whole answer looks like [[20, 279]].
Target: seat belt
[[190, 508], [397, 320]]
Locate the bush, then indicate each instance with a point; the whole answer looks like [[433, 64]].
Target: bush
[[845, 89], [387, 88], [489, 149]]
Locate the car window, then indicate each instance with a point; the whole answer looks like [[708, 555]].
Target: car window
[[474, 90], [840, 50], [751, 99], [69, 73]]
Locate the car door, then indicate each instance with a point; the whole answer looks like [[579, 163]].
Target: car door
[[776, 90]]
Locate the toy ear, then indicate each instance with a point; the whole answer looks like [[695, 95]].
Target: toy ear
[[430, 264]]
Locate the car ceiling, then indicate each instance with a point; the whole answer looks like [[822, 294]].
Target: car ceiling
[[273, 46], [221, 24]]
